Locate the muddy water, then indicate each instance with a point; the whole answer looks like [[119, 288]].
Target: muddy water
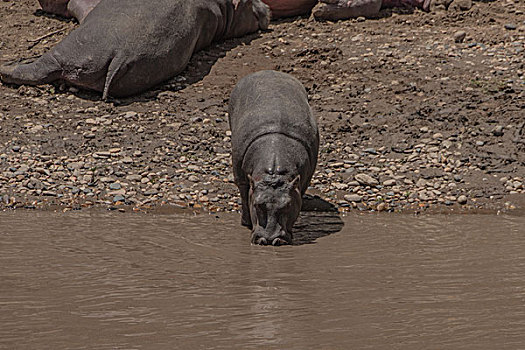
[[133, 281]]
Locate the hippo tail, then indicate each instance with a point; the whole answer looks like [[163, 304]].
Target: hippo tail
[[44, 70]]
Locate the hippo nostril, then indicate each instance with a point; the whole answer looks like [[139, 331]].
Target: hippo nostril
[[262, 241], [279, 241]]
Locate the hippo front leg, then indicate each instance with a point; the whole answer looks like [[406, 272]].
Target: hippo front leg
[[245, 209]]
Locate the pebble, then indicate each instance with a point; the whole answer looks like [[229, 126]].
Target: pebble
[[459, 36], [462, 199], [119, 198], [115, 186], [498, 130], [367, 180], [510, 26], [353, 198]]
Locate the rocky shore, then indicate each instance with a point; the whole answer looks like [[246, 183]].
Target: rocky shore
[[417, 111]]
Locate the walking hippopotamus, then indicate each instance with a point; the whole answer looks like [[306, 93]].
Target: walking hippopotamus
[[275, 142], [69, 8], [124, 49]]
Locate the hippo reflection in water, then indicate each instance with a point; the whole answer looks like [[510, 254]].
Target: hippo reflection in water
[[275, 142]]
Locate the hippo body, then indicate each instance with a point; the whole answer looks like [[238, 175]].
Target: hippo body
[[338, 9], [140, 45], [69, 8], [289, 8], [275, 142]]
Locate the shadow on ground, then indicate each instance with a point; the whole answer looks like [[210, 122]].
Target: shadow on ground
[[318, 218]]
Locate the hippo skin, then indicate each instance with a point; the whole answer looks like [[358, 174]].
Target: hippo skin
[[275, 142], [141, 44], [289, 8], [69, 8], [338, 9], [343, 9]]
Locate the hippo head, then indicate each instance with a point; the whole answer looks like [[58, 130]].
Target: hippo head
[[249, 16], [275, 203]]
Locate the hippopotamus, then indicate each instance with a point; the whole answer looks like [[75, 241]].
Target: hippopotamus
[[275, 142], [289, 8], [124, 49], [69, 8], [343, 9], [338, 9]]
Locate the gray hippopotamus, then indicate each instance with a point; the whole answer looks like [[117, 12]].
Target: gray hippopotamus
[[275, 142], [69, 8], [338, 9], [124, 49]]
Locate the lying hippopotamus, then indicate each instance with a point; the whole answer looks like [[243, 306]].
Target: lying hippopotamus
[[275, 141], [69, 8], [338, 9], [124, 49]]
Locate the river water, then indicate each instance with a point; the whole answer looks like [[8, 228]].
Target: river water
[[90, 280]]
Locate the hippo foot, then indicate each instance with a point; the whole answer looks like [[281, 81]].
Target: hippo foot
[[278, 241]]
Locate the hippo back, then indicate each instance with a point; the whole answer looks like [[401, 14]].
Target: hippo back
[[269, 102]]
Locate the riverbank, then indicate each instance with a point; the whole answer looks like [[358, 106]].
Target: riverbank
[[417, 111]]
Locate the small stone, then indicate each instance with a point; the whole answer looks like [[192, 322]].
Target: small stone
[[390, 182], [353, 198], [193, 178], [16, 148], [119, 198], [459, 36], [133, 177], [367, 180], [498, 130], [381, 206], [127, 160], [462, 199], [510, 26], [480, 143], [115, 186]]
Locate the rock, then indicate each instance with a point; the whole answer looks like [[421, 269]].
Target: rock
[[367, 180], [510, 26], [118, 198], [381, 206], [498, 130], [480, 143], [193, 178], [353, 198], [115, 186], [390, 182], [462, 199], [133, 177], [459, 36]]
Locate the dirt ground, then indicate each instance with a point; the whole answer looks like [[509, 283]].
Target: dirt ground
[[412, 116]]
